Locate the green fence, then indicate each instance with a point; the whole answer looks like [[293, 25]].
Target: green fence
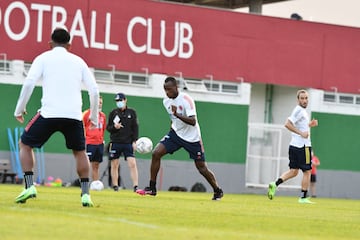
[[336, 141], [224, 126]]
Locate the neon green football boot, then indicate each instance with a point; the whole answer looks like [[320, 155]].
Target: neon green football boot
[[271, 190], [26, 194], [86, 200]]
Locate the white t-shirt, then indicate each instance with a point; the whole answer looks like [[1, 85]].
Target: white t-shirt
[[63, 75], [185, 106], [300, 118]]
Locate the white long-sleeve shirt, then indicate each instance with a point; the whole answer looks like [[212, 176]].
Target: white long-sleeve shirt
[[62, 74]]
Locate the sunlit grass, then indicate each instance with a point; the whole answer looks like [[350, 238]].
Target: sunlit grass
[[57, 214]]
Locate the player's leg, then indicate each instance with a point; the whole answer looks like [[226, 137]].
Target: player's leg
[[82, 163], [133, 171], [27, 162], [115, 150], [95, 170], [83, 171], [305, 182], [73, 130], [312, 185], [306, 168], [195, 150], [115, 164], [157, 153], [206, 173], [292, 172], [129, 155], [156, 156], [91, 150], [210, 178], [168, 144], [36, 133]]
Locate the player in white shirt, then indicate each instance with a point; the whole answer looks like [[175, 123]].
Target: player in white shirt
[[63, 75], [184, 133], [300, 148]]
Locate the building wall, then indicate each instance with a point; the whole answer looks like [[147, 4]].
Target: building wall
[[166, 38]]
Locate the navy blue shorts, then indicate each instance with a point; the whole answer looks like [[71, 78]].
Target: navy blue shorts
[[118, 149], [95, 152], [40, 129], [173, 142], [300, 158]]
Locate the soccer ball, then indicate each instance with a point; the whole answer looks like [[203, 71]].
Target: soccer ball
[[96, 185], [144, 145]]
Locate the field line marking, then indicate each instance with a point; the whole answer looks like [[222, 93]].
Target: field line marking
[[123, 220]]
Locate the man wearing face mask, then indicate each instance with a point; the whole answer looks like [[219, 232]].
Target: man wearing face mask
[[124, 131]]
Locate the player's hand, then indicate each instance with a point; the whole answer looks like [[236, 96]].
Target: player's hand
[[20, 118], [92, 125], [174, 109], [313, 123]]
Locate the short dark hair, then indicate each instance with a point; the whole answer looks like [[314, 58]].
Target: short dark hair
[[60, 36], [171, 79]]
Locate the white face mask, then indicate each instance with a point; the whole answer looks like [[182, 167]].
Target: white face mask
[[120, 104]]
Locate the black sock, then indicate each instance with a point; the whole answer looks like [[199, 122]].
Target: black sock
[[304, 193], [84, 184], [278, 182], [28, 176], [152, 184]]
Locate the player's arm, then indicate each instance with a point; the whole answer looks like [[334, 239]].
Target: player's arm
[[191, 120], [26, 91], [93, 90], [291, 127], [24, 97], [110, 124], [135, 127]]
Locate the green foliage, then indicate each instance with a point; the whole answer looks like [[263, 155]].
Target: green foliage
[[57, 214]]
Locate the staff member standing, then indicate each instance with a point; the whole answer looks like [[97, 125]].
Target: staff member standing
[[94, 136], [124, 131]]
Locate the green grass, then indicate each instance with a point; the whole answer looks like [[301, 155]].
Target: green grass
[[57, 214]]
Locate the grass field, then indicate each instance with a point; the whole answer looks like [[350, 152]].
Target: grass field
[[57, 214]]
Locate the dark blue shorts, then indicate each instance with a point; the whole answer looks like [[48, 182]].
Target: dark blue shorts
[[173, 142], [300, 158], [95, 152], [40, 129], [118, 149]]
